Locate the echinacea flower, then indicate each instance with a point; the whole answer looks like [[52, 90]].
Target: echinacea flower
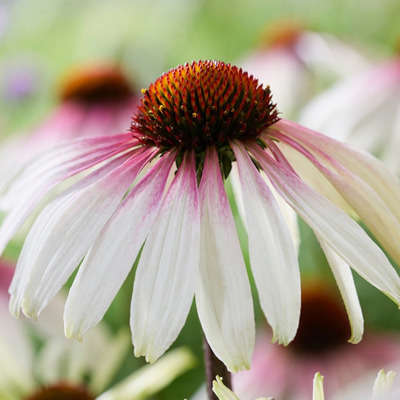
[[63, 369], [297, 63], [382, 389], [320, 345], [363, 110], [193, 122], [94, 99]]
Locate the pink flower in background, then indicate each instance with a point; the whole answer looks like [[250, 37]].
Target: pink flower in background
[[94, 100], [363, 110], [320, 346], [297, 63], [193, 122]]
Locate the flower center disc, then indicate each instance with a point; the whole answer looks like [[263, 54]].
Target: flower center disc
[[61, 392], [324, 324], [95, 84], [206, 103]]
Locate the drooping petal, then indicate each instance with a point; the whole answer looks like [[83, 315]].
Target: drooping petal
[[168, 268], [111, 257], [335, 227], [223, 295], [345, 282], [66, 228], [66, 159], [288, 213], [273, 257], [365, 194], [41, 176]]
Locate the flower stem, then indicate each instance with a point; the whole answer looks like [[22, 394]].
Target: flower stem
[[214, 366]]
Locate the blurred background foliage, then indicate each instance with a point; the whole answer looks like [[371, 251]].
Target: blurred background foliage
[[41, 39]]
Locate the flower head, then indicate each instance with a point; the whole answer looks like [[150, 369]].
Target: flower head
[[193, 107], [192, 124], [95, 84]]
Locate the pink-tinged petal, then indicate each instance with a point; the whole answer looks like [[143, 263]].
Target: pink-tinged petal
[[345, 282], [22, 272], [39, 177], [273, 257], [335, 227], [67, 227], [223, 295], [112, 255], [168, 268], [366, 195]]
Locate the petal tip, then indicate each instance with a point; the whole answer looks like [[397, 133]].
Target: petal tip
[[30, 309], [73, 332]]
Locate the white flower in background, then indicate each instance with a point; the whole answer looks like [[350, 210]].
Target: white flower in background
[[297, 63], [363, 110], [61, 367], [194, 121]]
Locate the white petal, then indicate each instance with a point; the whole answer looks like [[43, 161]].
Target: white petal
[[345, 281], [66, 228], [335, 227], [111, 257], [223, 295], [38, 178], [273, 257], [168, 268]]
